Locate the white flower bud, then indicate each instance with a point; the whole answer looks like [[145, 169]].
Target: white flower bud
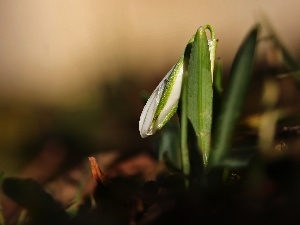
[[163, 102]]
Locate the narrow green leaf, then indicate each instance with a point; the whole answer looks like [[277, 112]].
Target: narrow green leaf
[[182, 112], [234, 98], [218, 77], [184, 128], [199, 91]]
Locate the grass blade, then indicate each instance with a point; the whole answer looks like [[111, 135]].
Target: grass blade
[[234, 97]]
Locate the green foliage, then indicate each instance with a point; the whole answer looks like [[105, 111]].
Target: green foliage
[[215, 109], [234, 98], [221, 160]]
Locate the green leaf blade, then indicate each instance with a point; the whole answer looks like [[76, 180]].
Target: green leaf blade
[[200, 91], [234, 97]]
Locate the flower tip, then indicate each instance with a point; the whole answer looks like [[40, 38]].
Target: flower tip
[[143, 134]]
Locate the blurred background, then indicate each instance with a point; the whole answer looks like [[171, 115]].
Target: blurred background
[[58, 51], [72, 73]]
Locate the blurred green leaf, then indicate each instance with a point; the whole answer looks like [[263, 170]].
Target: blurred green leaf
[[234, 97], [184, 120], [218, 78], [182, 111]]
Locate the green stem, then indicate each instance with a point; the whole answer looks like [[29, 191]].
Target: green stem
[[211, 30], [184, 126]]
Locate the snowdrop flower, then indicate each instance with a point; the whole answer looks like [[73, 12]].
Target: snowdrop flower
[[163, 102]]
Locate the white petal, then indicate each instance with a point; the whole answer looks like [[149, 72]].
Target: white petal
[[147, 125], [146, 118]]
